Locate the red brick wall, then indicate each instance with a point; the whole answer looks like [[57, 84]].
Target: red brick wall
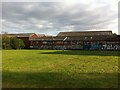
[[33, 36]]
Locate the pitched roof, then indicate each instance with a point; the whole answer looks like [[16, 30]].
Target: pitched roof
[[41, 35], [48, 38], [76, 38], [85, 33], [20, 35]]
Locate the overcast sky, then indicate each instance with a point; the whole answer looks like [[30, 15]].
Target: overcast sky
[[50, 18]]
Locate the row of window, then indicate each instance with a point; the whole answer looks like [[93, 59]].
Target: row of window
[[72, 42]]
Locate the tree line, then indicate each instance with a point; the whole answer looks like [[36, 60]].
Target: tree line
[[11, 42]]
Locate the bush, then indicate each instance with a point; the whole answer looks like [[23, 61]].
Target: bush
[[6, 43], [16, 43], [12, 43]]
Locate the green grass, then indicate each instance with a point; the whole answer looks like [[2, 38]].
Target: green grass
[[59, 69]]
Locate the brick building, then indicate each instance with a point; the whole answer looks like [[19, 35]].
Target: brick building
[[90, 40], [82, 40], [25, 37]]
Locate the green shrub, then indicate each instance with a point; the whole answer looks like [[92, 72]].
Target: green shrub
[[16, 43], [12, 43], [6, 43]]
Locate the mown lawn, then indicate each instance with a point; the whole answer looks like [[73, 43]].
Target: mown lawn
[[59, 69]]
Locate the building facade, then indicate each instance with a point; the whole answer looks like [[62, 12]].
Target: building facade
[[87, 40], [84, 40], [25, 37]]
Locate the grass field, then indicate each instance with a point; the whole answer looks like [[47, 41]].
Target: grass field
[[59, 69]]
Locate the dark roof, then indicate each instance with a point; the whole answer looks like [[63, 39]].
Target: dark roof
[[75, 38], [41, 35], [58, 38], [85, 33], [20, 35], [89, 38], [118, 37], [48, 38], [92, 38]]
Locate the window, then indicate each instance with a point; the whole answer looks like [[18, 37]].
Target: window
[[45, 42], [85, 37], [37, 42], [91, 37]]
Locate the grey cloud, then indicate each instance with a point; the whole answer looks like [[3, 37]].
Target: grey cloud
[[26, 16]]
